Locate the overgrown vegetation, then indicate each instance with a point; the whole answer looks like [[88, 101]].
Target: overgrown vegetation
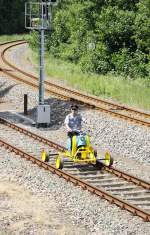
[[132, 92]]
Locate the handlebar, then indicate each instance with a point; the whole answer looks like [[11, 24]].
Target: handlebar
[[78, 132]]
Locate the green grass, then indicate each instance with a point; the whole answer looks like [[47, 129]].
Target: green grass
[[5, 38], [135, 93]]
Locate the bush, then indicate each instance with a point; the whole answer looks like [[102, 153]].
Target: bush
[[96, 60], [130, 64], [33, 40], [142, 26]]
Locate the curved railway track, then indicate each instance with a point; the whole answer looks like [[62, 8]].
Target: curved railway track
[[110, 108], [117, 187]]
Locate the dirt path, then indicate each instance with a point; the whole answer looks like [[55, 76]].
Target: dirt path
[[21, 212]]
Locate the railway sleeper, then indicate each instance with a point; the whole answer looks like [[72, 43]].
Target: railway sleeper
[[140, 198], [121, 189]]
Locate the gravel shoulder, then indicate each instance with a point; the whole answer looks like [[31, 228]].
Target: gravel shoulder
[[74, 210], [23, 211]]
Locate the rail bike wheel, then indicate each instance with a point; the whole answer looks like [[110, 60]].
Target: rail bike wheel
[[45, 156], [59, 162], [108, 159], [95, 153]]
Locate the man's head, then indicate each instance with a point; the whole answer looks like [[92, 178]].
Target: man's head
[[74, 108]]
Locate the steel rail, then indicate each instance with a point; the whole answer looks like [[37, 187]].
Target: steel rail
[[9, 73], [78, 182], [98, 191], [80, 97], [32, 135]]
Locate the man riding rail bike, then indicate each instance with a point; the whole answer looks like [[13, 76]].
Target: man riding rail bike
[[73, 123], [79, 149]]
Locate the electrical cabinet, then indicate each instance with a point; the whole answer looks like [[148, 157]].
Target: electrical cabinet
[[43, 114]]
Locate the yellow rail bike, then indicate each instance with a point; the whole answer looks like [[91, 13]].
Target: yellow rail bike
[[81, 152]]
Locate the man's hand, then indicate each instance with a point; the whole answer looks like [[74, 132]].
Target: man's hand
[[68, 128]]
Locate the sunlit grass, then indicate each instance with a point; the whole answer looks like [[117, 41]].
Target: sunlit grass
[[6, 38]]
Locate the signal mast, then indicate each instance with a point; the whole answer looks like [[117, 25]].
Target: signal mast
[[38, 16]]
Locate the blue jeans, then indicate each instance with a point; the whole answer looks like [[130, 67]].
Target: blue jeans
[[69, 140], [69, 144]]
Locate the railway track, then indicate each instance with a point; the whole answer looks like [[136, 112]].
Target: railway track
[[110, 108], [120, 188]]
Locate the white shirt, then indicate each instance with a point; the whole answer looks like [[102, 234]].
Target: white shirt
[[74, 122]]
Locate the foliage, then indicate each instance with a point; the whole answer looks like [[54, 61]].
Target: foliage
[[103, 36], [33, 40], [100, 36], [142, 26]]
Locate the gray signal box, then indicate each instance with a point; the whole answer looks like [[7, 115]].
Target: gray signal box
[[43, 114]]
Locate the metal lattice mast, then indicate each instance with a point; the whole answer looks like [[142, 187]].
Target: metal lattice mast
[[38, 17], [41, 78]]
